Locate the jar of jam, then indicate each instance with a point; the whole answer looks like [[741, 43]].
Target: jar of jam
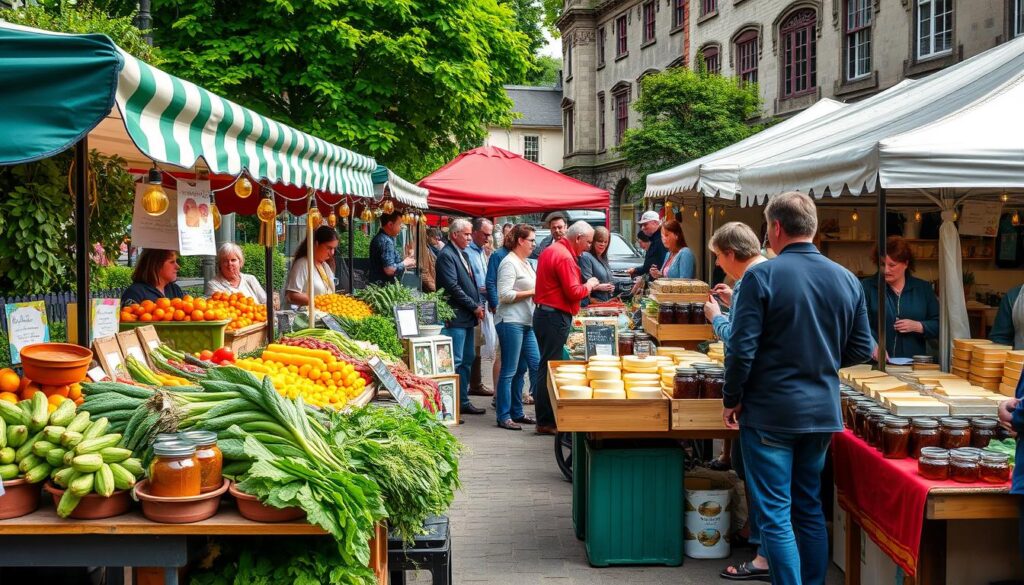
[[933, 464], [682, 313], [174, 471], [211, 460], [625, 343], [851, 412], [697, 314], [642, 345], [874, 426], [895, 438], [983, 430], [162, 437], [666, 314], [956, 433], [845, 395], [860, 421], [924, 433], [714, 381], [686, 384], [994, 467], [964, 466]]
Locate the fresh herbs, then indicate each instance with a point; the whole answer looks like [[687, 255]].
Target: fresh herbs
[[383, 298], [305, 561], [445, 312], [377, 330]]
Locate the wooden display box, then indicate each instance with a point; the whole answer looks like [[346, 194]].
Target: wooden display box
[[246, 339], [696, 415], [679, 297], [665, 333], [595, 416]]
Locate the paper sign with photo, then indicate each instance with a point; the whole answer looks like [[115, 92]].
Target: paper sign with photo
[[26, 324], [195, 219]]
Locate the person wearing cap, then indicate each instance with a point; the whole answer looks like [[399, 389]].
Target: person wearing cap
[[557, 224], [650, 224]]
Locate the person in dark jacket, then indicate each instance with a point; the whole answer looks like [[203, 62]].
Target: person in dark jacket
[[154, 277], [594, 262], [650, 224], [386, 263], [911, 307], [1011, 416], [557, 224], [455, 277], [1008, 328], [800, 318]]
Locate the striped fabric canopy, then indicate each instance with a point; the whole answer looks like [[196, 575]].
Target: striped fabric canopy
[[399, 189], [58, 87]]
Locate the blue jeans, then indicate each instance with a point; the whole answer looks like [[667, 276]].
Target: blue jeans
[[464, 352], [519, 353], [752, 519], [784, 475]]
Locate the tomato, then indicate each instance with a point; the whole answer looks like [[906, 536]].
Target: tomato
[[224, 355], [206, 355]]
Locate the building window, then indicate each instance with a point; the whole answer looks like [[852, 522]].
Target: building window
[[1016, 17], [712, 64], [679, 13], [649, 22], [708, 6], [621, 115], [858, 39], [601, 144], [600, 46], [934, 28], [569, 127], [531, 148], [798, 58], [620, 36], [568, 58], [746, 57]]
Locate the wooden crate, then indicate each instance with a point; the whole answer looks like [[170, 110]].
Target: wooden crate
[[679, 297], [704, 414], [596, 416], [246, 339], [677, 332]]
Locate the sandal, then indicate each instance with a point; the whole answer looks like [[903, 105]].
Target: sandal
[[746, 571]]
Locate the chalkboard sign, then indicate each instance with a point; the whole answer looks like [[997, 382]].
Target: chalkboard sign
[[331, 323], [387, 379], [601, 336], [427, 312]]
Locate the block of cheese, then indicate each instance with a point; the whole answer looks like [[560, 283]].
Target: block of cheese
[[959, 391], [634, 377], [671, 351], [617, 384], [632, 363], [916, 407], [603, 373], [977, 407], [571, 369], [571, 379], [644, 392], [609, 394], [861, 384], [604, 358], [884, 384], [574, 392], [887, 397]]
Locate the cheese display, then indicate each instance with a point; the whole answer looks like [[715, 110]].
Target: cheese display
[[575, 392], [609, 395], [603, 373], [644, 392], [616, 384]]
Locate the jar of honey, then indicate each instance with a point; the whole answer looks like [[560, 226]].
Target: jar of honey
[[873, 426], [851, 411], [625, 343], [685, 384], [933, 464], [682, 313], [860, 419], [964, 466], [924, 433], [994, 467], [895, 438], [714, 381], [666, 314], [211, 460], [697, 314], [174, 471], [956, 433], [983, 430]]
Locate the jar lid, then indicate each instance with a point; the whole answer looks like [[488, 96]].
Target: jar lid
[[864, 407], [715, 371], [641, 336], [173, 449], [200, 438], [166, 437], [965, 455], [626, 334], [934, 453], [925, 423], [848, 392], [923, 359], [843, 387], [994, 457], [984, 423], [686, 370], [697, 306], [683, 306], [896, 422], [878, 410], [954, 423]]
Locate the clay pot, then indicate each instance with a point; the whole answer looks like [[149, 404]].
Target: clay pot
[[20, 498], [94, 506], [251, 508], [179, 510]]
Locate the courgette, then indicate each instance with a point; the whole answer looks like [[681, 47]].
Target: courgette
[[133, 465], [16, 435], [6, 455], [55, 456], [114, 454], [104, 481], [26, 448], [64, 476], [9, 471], [79, 423], [87, 463], [64, 413], [38, 473], [68, 503], [41, 447], [95, 445], [97, 429], [52, 433], [40, 412], [123, 479], [3, 433], [83, 484], [29, 462], [13, 414], [70, 439]]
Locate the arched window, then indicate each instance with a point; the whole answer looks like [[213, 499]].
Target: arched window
[[712, 60], [746, 56], [797, 41]]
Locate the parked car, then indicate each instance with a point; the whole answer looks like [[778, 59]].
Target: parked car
[[621, 257]]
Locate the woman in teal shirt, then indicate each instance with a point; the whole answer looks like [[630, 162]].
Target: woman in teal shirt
[[912, 309]]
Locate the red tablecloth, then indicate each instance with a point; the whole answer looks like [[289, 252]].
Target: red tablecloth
[[886, 497]]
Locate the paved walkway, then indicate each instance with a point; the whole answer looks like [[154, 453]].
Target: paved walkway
[[512, 521]]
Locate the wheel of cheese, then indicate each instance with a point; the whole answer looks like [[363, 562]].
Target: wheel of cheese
[[609, 395], [572, 369], [575, 392], [608, 384], [603, 373], [632, 361], [613, 359], [644, 392], [670, 351], [667, 380], [640, 377], [571, 379]]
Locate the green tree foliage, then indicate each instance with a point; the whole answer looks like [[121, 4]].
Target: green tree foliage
[[685, 115], [256, 263], [546, 72], [529, 16], [552, 12], [407, 82]]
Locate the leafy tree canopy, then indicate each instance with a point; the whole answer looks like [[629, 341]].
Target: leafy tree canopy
[[552, 12], [685, 115], [408, 82], [546, 72]]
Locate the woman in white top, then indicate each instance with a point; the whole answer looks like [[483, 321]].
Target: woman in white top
[[325, 242], [514, 323], [230, 278]]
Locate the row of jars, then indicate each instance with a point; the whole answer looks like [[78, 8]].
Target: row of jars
[[698, 381], [185, 464], [638, 343], [681, 314], [966, 465]]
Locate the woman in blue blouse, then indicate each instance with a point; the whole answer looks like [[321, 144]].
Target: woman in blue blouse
[[679, 261]]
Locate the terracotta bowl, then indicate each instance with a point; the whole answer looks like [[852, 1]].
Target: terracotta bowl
[[20, 498], [179, 510], [94, 506], [55, 364], [251, 508]]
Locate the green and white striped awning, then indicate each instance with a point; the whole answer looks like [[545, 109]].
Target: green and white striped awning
[[59, 88]]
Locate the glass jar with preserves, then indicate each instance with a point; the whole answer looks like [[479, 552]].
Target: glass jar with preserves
[[174, 471], [964, 466], [851, 412], [895, 438], [625, 343], [682, 313], [983, 430], [686, 384], [714, 381], [697, 314], [956, 433], [874, 426], [642, 345], [211, 460], [994, 467], [933, 464], [924, 433], [162, 437], [666, 314], [845, 396], [860, 421]]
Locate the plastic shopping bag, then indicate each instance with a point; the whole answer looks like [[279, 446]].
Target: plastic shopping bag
[[490, 336]]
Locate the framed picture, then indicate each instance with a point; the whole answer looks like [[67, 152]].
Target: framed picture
[[444, 359], [422, 354], [449, 387], [407, 320]]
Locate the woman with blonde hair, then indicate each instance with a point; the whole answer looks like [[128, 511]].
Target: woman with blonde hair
[[230, 278]]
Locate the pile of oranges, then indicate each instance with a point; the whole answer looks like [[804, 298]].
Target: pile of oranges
[[14, 388], [240, 310], [342, 305]]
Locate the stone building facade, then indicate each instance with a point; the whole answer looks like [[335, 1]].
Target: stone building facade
[[798, 51]]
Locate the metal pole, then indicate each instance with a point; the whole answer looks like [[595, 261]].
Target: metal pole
[[704, 237], [313, 272], [881, 279], [269, 274], [351, 243], [144, 21], [82, 238]]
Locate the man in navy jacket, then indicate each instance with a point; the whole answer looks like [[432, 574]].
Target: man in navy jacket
[[800, 318]]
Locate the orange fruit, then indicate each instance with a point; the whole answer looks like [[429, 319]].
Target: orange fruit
[[9, 381], [169, 315], [9, 397], [163, 303], [29, 392], [158, 314], [126, 315], [25, 383], [197, 315], [129, 318], [176, 303], [179, 315], [188, 307], [56, 399], [79, 401], [146, 317], [187, 299], [51, 391], [75, 391], [200, 304]]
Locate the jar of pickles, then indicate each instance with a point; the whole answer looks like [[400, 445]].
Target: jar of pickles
[[994, 467], [924, 432], [933, 463], [174, 471], [625, 343], [956, 433], [964, 465], [895, 438], [983, 430], [666, 314], [685, 384], [682, 314], [211, 460], [697, 314], [714, 381]]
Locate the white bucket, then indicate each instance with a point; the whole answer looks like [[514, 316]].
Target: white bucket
[[706, 525]]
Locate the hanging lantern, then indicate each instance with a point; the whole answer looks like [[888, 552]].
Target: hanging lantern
[[332, 219], [388, 206], [423, 218], [721, 211], [711, 211], [696, 214], [266, 211], [154, 199], [314, 218], [917, 216], [1004, 197], [215, 213], [855, 216], [243, 187], [1015, 218], [344, 211]]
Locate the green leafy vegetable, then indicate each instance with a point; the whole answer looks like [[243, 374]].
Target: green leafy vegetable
[[383, 298], [1007, 446]]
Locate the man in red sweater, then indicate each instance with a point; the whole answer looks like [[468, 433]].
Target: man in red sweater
[[559, 290]]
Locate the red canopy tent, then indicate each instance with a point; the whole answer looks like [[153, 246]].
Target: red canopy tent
[[493, 182]]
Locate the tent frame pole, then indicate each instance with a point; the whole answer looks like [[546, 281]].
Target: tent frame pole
[[704, 238], [880, 324], [351, 260], [269, 274], [82, 238]]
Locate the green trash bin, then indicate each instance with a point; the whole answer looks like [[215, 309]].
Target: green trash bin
[[579, 483], [633, 503]]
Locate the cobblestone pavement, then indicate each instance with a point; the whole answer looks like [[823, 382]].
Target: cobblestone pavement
[[512, 521]]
